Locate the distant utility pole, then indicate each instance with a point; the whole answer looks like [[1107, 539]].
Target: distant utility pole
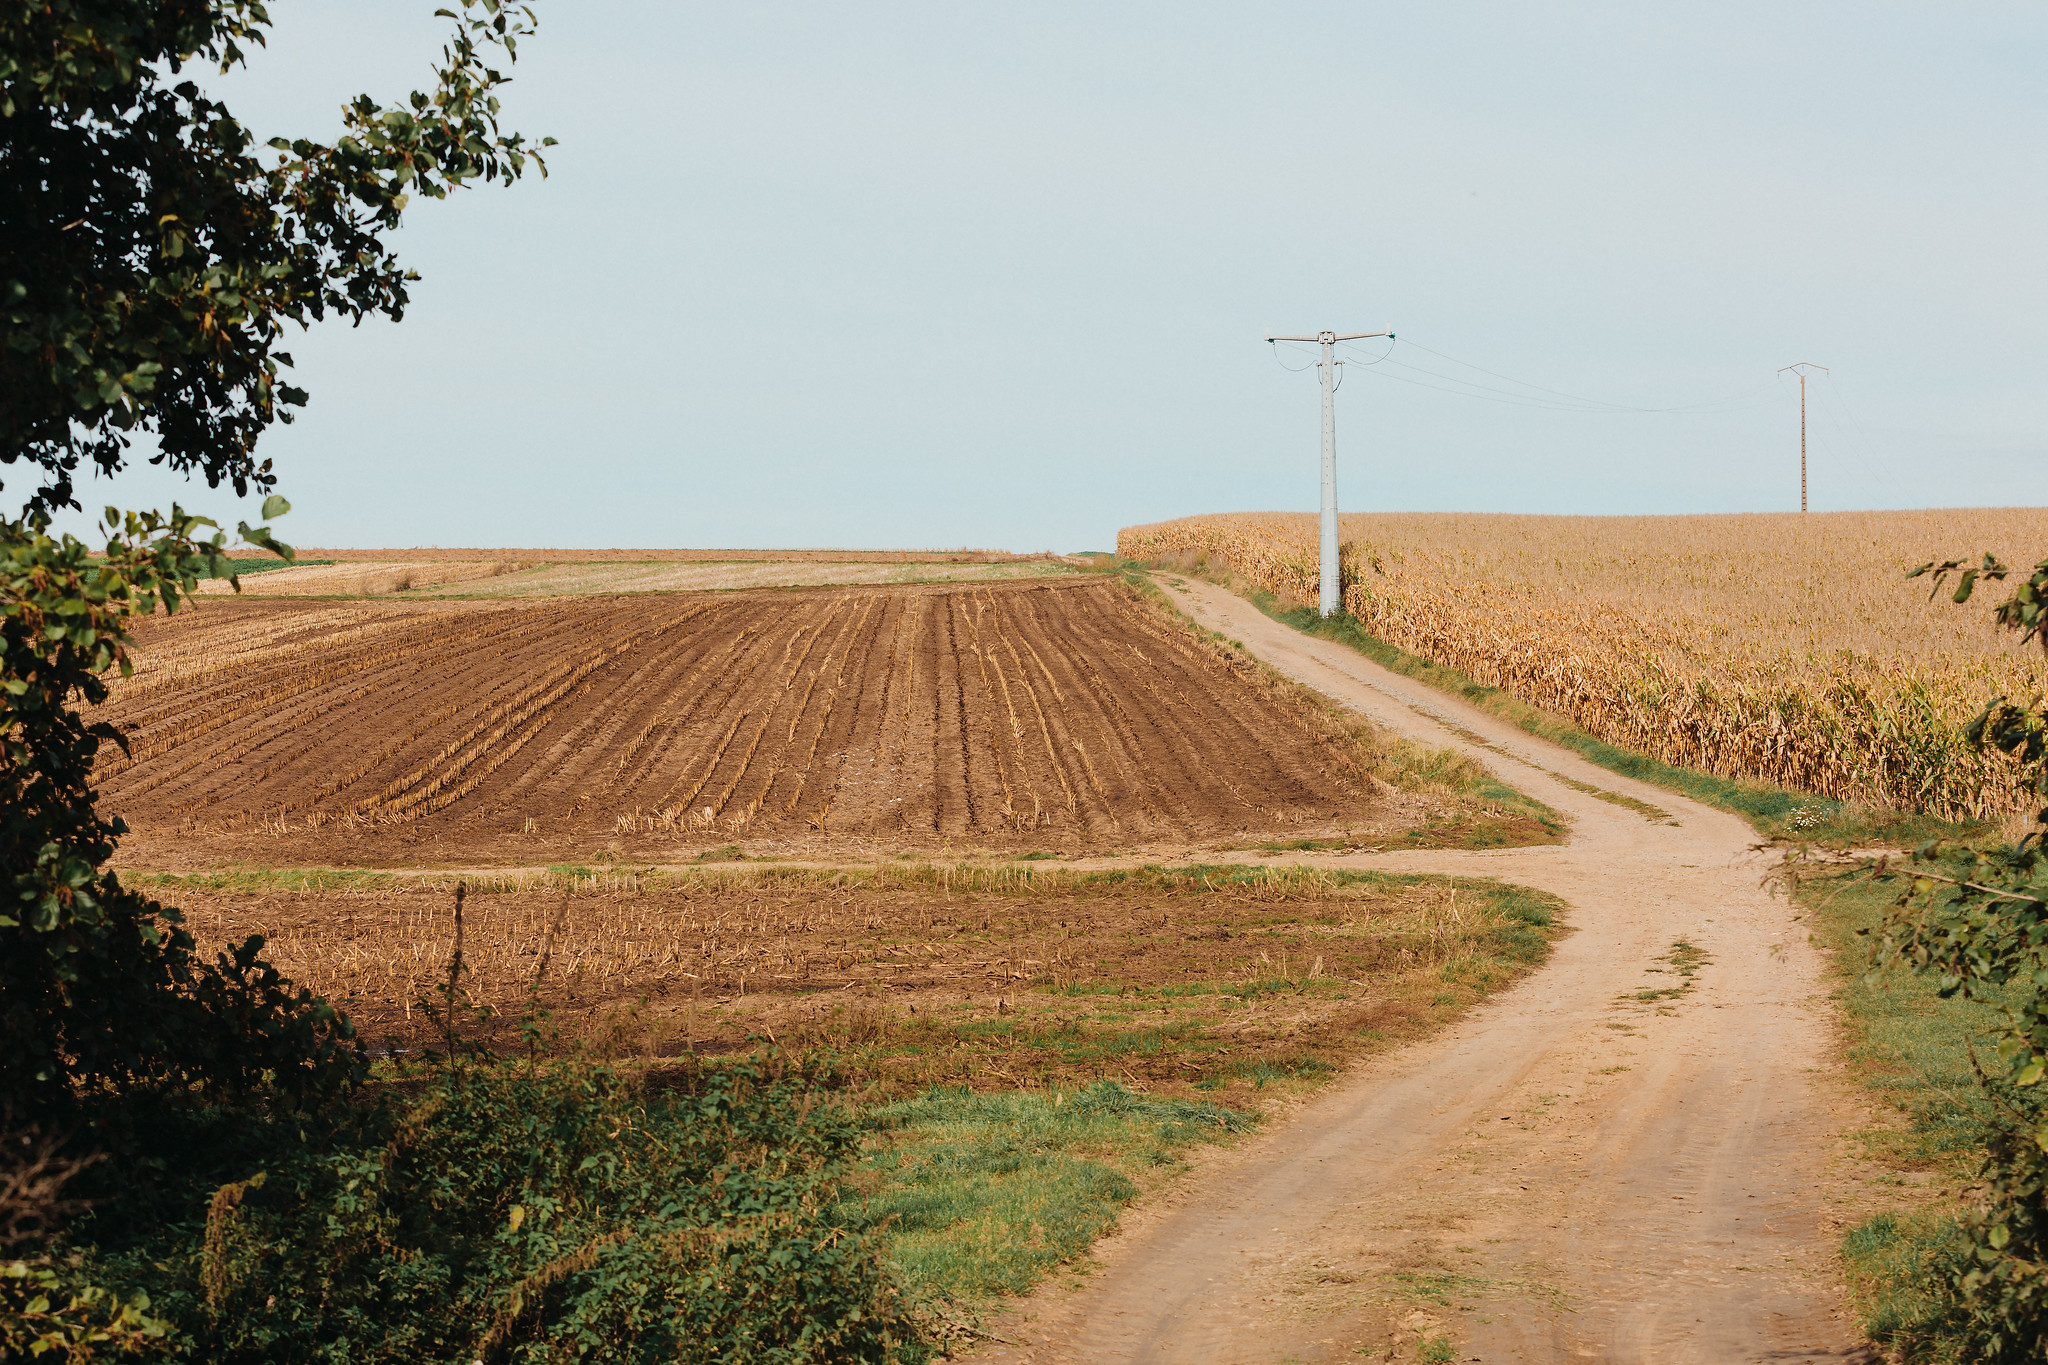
[[1800, 369], [1332, 595]]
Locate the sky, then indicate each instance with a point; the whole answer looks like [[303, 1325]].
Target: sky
[[937, 275]]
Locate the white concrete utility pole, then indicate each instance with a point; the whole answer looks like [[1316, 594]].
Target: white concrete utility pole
[[1332, 594]]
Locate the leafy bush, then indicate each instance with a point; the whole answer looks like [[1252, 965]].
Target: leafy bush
[[1977, 921], [102, 992], [536, 1213], [49, 1314]]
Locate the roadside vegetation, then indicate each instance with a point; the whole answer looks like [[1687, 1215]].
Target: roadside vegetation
[[1952, 1026], [1912, 1050]]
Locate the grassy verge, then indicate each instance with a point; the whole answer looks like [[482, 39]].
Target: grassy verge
[[1911, 1049], [1480, 810], [983, 1195], [1774, 812]]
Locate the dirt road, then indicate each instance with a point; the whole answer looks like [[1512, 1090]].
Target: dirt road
[[1621, 1159]]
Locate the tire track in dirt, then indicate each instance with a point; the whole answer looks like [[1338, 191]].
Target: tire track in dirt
[[1610, 1161]]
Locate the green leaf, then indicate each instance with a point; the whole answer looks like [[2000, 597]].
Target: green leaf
[[275, 506]]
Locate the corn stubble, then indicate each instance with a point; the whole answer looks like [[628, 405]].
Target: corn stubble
[[920, 974], [1784, 649]]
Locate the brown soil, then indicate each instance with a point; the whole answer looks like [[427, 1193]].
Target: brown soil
[[1064, 715], [1610, 1161], [1167, 980]]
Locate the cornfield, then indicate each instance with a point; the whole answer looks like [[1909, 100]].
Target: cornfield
[[1786, 649]]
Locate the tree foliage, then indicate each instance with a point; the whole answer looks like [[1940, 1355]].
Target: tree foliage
[[101, 989], [151, 257], [1977, 920], [151, 254]]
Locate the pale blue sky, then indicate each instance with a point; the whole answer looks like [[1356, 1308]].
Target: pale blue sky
[[943, 274]]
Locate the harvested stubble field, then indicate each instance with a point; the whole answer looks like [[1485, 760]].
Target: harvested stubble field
[[672, 555], [1786, 649], [1070, 714], [511, 574], [1173, 979]]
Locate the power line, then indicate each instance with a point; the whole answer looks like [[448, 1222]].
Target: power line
[[1523, 383], [1291, 369], [1588, 404], [1859, 440], [1544, 397]]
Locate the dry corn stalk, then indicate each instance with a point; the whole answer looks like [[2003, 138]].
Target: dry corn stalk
[[1786, 650]]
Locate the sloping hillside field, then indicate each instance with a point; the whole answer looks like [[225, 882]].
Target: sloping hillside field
[[1056, 714]]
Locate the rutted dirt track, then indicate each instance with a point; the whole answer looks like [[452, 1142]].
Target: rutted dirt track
[[1612, 1161], [1063, 712]]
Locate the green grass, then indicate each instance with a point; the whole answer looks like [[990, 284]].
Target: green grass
[[1895, 1264], [1907, 1044], [1911, 1048], [265, 563], [1775, 812], [984, 1194]]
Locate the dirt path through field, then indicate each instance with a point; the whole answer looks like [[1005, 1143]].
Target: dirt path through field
[[1613, 1161]]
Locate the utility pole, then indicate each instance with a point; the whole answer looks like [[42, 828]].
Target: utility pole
[[1332, 595], [1800, 369]]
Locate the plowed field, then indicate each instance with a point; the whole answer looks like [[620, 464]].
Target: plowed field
[[1048, 715]]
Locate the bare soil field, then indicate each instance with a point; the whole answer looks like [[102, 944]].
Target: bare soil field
[[1067, 714]]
